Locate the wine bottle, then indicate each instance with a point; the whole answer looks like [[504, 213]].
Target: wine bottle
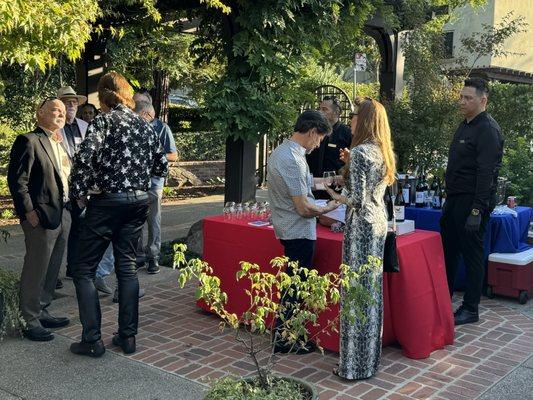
[[399, 207], [406, 190], [437, 196], [421, 191]]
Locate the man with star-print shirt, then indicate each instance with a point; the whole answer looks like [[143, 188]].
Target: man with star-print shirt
[[114, 166]]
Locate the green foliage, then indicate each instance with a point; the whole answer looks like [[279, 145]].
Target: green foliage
[[313, 292], [424, 119], [200, 146], [10, 316], [229, 388], [511, 106], [518, 169], [266, 47], [20, 92], [34, 33]]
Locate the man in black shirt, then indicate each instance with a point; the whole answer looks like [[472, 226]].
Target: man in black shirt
[[327, 156], [473, 164]]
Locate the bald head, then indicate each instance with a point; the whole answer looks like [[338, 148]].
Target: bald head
[[51, 115]]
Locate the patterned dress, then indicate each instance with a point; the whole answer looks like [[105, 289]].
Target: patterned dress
[[364, 235]]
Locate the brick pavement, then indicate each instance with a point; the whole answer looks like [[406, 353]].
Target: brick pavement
[[178, 337]]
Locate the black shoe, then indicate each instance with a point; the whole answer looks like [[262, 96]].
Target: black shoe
[[38, 334], [140, 264], [126, 344], [295, 348], [153, 267], [54, 322], [95, 349], [59, 284], [463, 316]]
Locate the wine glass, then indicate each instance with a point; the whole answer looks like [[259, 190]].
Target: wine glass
[[329, 177], [228, 210], [238, 211]]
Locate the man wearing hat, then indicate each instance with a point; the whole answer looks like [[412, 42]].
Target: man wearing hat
[[75, 128], [73, 134]]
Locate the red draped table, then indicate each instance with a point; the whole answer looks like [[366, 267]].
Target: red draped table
[[417, 307]]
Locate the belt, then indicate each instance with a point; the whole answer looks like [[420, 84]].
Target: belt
[[115, 199], [133, 193]]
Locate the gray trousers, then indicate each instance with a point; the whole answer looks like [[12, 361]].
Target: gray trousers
[[45, 249], [153, 247]]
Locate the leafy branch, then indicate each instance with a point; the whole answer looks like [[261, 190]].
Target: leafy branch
[[269, 313]]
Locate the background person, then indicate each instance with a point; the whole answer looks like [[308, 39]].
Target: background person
[[114, 165], [73, 134], [37, 176], [327, 156], [371, 169], [88, 112], [474, 162], [153, 246]]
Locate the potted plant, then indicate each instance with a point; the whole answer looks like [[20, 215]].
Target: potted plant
[[256, 329], [10, 316]]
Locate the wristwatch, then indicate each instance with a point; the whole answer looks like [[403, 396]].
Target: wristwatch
[[475, 212]]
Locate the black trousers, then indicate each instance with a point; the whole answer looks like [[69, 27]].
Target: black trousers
[[457, 242], [73, 236], [116, 218], [302, 251]]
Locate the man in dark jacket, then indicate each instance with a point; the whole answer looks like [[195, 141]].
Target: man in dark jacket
[[473, 164], [327, 156], [38, 174]]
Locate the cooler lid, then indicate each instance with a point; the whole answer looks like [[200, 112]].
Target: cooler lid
[[522, 258]]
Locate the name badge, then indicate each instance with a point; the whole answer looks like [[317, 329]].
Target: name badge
[[332, 145], [462, 141]]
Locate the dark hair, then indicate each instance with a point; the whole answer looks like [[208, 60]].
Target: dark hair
[[312, 119], [480, 84], [91, 105], [335, 101]]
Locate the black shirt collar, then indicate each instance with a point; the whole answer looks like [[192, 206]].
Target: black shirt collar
[[482, 114]]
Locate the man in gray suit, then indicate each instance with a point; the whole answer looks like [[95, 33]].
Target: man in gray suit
[[38, 173]]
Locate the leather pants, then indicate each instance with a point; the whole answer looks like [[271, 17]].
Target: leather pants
[[117, 218]]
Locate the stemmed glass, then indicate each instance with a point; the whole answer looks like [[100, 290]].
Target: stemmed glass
[[229, 209], [238, 211], [329, 178]]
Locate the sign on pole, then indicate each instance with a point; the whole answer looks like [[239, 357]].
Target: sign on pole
[[360, 61]]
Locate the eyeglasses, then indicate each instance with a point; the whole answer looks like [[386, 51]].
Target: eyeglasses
[[47, 99]]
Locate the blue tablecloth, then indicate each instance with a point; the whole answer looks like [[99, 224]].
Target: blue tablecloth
[[505, 233]]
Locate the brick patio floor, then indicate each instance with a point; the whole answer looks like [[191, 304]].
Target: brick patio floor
[[176, 336]]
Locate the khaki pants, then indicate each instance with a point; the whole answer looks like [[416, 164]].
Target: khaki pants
[[45, 249]]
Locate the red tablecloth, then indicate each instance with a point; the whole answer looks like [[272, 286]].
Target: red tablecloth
[[417, 307]]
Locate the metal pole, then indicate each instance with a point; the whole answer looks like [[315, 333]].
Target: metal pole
[[354, 75]]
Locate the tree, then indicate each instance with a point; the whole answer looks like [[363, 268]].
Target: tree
[[34, 33], [425, 118]]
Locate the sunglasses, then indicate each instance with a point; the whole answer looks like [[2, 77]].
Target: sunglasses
[[47, 99]]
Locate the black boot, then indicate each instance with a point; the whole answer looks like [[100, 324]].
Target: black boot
[[126, 344], [95, 349], [463, 316], [153, 267]]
